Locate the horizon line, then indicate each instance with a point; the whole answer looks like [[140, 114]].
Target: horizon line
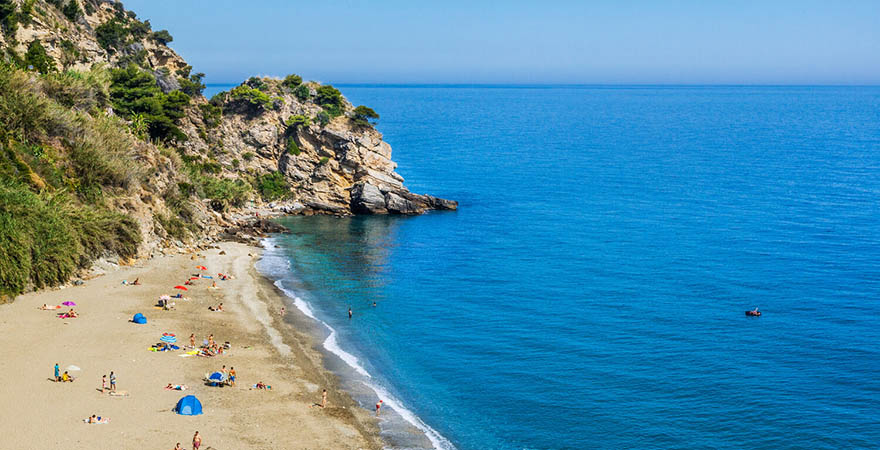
[[550, 85]]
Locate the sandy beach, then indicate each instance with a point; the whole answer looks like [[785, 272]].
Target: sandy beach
[[40, 413]]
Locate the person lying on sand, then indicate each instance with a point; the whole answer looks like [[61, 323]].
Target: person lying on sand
[[46, 307], [176, 387], [218, 308], [262, 385], [69, 314], [97, 419], [137, 282]]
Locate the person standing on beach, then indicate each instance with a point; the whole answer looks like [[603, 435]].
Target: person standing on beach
[[378, 407], [232, 376], [349, 312], [192, 340], [103, 383], [112, 381], [197, 441], [324, 399], [282, 310], [57, 372]]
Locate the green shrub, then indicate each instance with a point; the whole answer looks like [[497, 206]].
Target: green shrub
[[224, 191], [257, 83], [324, 160], [323, 118], [365, 116], [71, 10], [193, 86], [272, 186], [134, 91], [111, 35], [211, 114], [235, 163], [292, 148], [162, 36], [211, 167], [139, 30], [247, 156], [329, 97], [251, 96], [25, 13], [297, 121], [302, 92], [37, 57], [90, 9], [291, 81]]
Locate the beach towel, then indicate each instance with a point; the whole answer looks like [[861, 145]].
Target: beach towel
[[119, 393]]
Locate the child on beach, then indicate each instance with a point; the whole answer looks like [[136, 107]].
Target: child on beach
[[192, 340], [378, 407], [232, 376], [66, 377], [103, 383]]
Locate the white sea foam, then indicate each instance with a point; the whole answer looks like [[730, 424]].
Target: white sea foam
[[331, 345], [439, 442]]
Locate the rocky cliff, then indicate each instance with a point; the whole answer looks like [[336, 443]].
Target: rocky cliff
[[341, 166]]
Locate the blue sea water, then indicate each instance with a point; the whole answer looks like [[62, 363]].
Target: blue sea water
[[590, 291]]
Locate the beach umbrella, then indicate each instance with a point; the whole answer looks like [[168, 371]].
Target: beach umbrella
[[72, 368], [201, 268], [68, 303], [217, 376], [182, 288], [169, 338]]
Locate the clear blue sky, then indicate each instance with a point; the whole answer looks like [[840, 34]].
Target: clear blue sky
[[514, 41]]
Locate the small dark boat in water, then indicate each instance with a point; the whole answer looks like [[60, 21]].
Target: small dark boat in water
[[753, 313]]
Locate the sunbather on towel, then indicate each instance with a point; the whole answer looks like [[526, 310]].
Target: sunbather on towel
[[96, 419]]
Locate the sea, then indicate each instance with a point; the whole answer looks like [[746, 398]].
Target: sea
[[590, 292]]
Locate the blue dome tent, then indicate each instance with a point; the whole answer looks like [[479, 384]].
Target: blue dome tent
[[139, 318], [188, 406]]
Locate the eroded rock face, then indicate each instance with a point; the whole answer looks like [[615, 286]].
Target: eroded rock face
[[338, 168]]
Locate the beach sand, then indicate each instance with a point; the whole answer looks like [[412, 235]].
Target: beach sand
[[39, 413]]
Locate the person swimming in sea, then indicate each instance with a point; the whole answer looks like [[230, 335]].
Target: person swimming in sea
[[349, 312]]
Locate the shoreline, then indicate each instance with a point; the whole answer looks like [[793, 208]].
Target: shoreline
[[400, 427], [264, 348]]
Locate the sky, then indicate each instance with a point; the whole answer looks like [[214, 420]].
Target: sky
[[526, 42]]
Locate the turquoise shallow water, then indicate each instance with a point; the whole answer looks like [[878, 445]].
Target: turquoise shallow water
[[590, 292]]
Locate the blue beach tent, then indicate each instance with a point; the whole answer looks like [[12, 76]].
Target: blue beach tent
[[139, 318], [188, 406]]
